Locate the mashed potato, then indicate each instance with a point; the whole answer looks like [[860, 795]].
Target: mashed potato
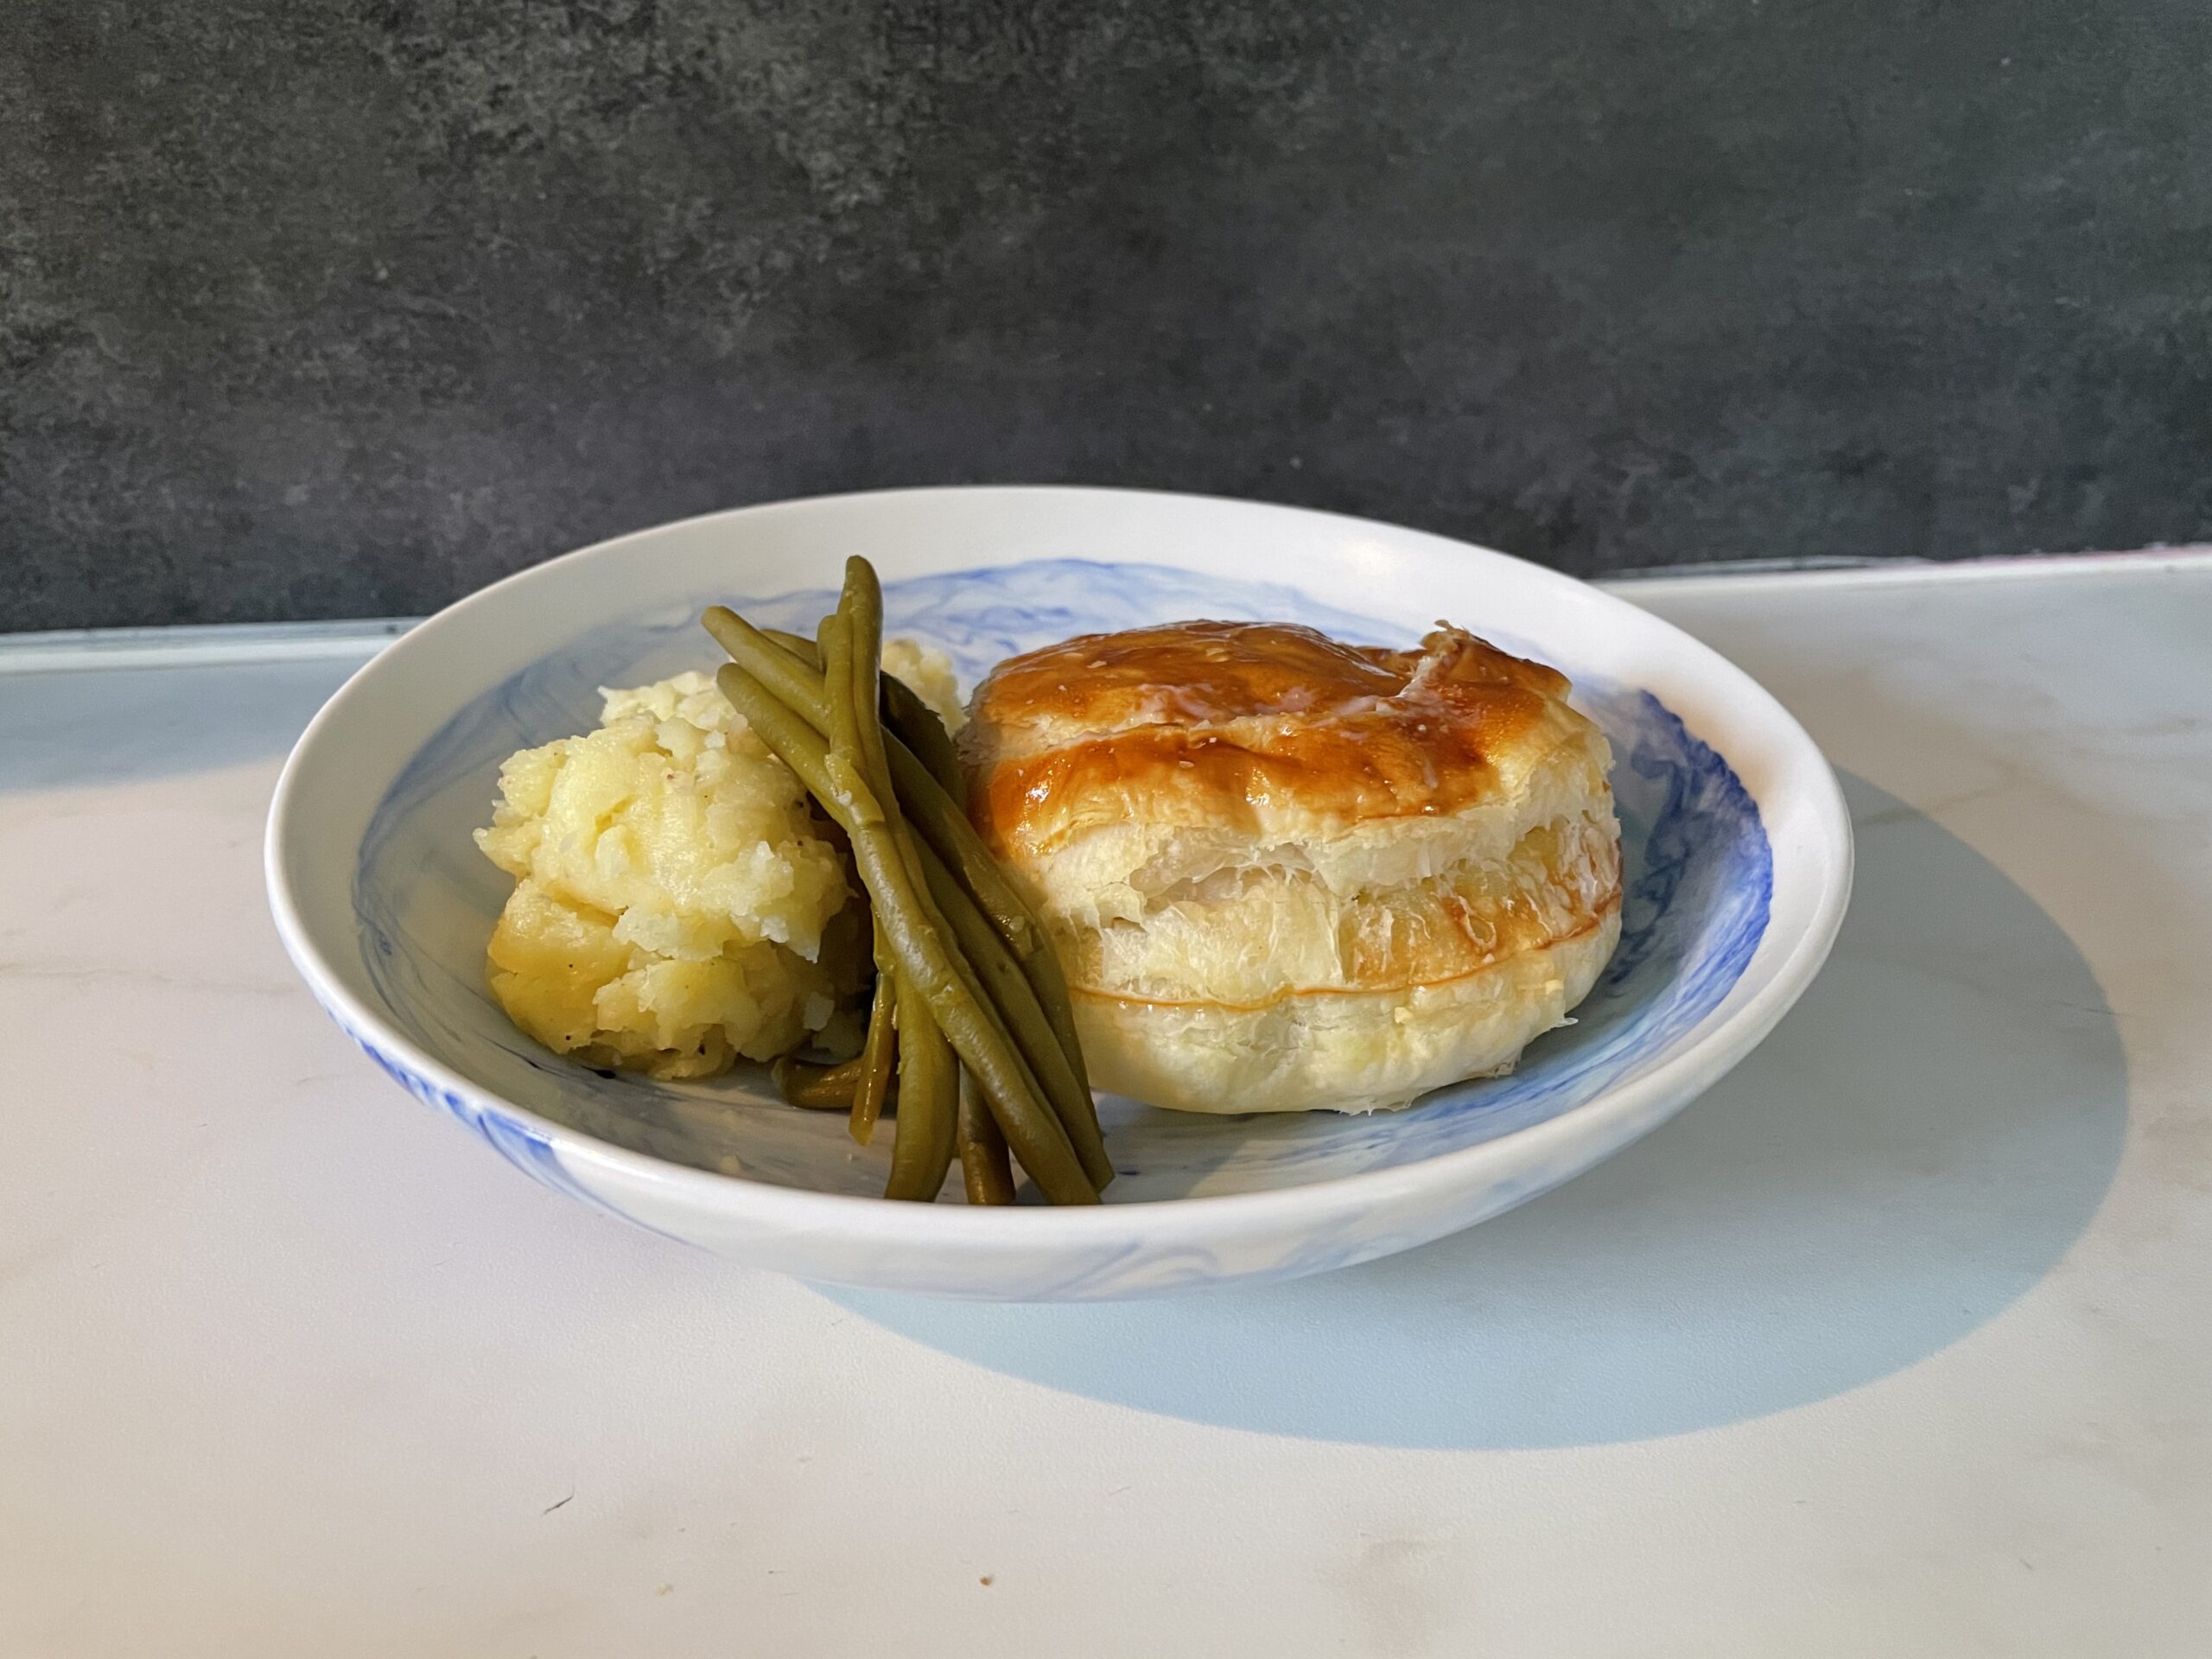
[[677, 904]]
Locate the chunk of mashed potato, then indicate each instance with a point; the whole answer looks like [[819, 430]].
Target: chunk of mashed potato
[[676, 903]]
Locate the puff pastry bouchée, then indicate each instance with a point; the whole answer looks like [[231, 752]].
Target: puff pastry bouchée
[[1286, 874]]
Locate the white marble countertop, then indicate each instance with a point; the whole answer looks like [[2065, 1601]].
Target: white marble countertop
[[1900, 1341]]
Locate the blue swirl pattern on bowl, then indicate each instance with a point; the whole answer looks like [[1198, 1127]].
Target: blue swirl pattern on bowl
[[1699, 879]]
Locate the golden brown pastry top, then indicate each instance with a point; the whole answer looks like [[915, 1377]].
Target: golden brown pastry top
[[1252, 727]]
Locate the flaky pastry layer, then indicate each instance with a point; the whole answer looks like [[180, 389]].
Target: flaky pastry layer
[[1285, 873]]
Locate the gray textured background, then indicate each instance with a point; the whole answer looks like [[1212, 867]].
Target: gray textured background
[[343, 307]]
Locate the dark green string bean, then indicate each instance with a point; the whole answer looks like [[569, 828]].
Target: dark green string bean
[[1032, 1131], [990, 940], [936, 814], [872, 1082], [928, 1104], [986, 1173], [909, 718], [851, 643], [816, 1088], [1018, 1008]]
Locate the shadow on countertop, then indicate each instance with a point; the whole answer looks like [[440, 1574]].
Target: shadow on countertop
[[1912, 1150]]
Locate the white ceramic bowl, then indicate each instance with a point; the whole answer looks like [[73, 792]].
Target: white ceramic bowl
[[1738, 847]]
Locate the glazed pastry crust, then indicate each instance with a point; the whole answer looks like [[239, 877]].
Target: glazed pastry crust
[[1287, 874]]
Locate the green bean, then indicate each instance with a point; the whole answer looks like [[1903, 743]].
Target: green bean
[[917, 724], [849, 653], [816, 1088], [798, 644], [1042, 966], [909, 718], [1018, 1008], [943, 823], [928, 1112], [934, 808], [934, 802], [1030, 993], [797, 683], [851, 643], [944, 827], [1032, 1132], [861, 604], [986, 1174], [848, 678], [872, 1083], [945, 830]]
